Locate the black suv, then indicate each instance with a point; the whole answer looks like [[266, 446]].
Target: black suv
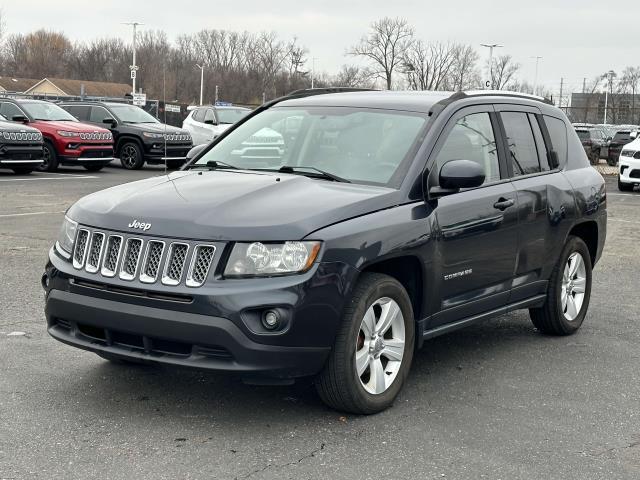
[[138, 135], [390, 218], [20, 147], [594, 143], [620, 139]]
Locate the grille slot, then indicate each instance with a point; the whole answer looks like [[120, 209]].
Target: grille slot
[[174, 264], [151, 263], [131, 259], [111, 256], [95, 252], [80, 252], [200, 264]]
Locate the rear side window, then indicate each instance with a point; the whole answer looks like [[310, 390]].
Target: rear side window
[[81, 112], [558, 133], [472, 138], [198, 115], [99, 115], [522, 146]]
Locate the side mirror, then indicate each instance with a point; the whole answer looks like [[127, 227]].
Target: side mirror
[[210, 122], [191, 154], [20, 118], [457, 174], [110, 121]]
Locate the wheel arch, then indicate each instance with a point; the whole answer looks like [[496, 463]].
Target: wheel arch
[[587, 231], [127, 138]]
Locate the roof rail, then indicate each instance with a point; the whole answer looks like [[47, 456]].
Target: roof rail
[[308, 92], [478, 93]]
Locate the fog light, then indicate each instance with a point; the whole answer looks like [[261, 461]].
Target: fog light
[[270, 320]]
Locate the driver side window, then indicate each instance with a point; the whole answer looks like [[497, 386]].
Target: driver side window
[[472, 138]]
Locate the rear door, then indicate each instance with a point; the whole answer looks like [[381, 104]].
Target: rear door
[[542, 200], [476, 229]]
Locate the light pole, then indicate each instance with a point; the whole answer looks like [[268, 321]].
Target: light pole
[[201, 67], [491, 46], [535, 79], [610, 75], [134, 67]]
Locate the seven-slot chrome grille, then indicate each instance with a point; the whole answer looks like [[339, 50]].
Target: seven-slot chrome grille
[[147, 260]]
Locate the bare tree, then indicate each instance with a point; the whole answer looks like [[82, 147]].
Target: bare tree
[[385, 46], [38, 54], [464, 72], [353, 76], [429, 66], [503, 71], [631, 78]]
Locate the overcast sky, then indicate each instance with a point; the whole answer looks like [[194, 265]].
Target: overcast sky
[[576, 39]]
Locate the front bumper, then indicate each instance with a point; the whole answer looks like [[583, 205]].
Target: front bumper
[[175, 152], [629, 169], [212, 330], [87, 155], [15, 155]]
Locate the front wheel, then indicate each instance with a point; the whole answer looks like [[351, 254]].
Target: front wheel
[[49, 158], [624, 187], [611, 162], [568, 292], [373, 350], [131, 156]]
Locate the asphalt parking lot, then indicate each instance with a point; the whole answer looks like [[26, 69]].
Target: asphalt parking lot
[[496, 401]]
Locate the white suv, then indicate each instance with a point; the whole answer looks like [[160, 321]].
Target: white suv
[[207, 122], [629, 165]]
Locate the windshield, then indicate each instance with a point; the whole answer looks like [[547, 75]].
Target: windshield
[[132, 114], [47, 111], [361, 145], [231, 115], [583, 134], [622, 136]]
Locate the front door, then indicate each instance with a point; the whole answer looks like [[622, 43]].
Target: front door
[[476, 229]]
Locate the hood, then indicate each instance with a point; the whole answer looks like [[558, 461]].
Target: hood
[[69, 126], [156, 127], [6, 126], [222, 206], [633, 146]]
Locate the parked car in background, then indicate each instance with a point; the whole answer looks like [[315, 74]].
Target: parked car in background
[[390, 218], [66, 140], [207, 122], [620, 139], [139, 136], [593, 142], [629, 166], [20, 147]]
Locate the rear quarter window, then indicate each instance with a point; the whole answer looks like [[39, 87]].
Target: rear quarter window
[[558, 133]]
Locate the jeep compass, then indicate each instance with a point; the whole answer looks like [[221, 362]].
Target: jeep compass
[[388, 218]]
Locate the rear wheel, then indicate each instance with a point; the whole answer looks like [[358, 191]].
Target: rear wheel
[[131, 156], [49, 158], [373, 350], [568, 292], [594, 157], [624, 187], [22, 170], [611, 162]]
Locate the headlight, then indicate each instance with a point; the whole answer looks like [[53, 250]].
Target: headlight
[[266, 259], [152, 135], [66, 237], [64, 133]]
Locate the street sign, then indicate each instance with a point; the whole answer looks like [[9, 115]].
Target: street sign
[[220, 103], [140, 99], [133, 74], [172, 108]]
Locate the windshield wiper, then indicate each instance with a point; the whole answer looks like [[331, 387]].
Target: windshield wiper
[[319, 173], [215, 165]]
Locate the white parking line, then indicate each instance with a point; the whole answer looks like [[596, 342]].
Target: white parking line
[[29, 213], [621, 220], [625, 194], [81, 177]]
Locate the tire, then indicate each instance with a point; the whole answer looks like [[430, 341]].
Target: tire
[[611, 162], [624, 187], [131, 155], [117, 360], [339, 385], [22, 170], [551, 318], [50, 158], [94, 168], [594, 157]]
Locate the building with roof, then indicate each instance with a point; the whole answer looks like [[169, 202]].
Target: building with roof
[[16, 85], [64, 87]]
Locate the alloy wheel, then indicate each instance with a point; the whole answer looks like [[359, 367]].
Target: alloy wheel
[[574, 281], [129, 156], [380, 345], [46, 159]]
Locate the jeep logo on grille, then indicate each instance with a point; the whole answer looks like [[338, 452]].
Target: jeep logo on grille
[[140, 225]]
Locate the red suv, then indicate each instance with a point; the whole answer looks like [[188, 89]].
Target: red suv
[[66, 140]]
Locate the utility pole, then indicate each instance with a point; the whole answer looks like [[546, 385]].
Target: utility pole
[[560, 98], [216, 96], [535, 81], [610, 75], [313, 70], [491, 46], [201, 67], [134, 67], [584, 85]]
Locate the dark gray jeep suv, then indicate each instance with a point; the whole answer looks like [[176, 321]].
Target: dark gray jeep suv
[[389, 218]]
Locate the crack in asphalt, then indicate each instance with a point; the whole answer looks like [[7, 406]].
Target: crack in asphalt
[[283, 465]]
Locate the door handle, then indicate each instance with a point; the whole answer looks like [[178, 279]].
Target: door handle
[[504, 203]]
